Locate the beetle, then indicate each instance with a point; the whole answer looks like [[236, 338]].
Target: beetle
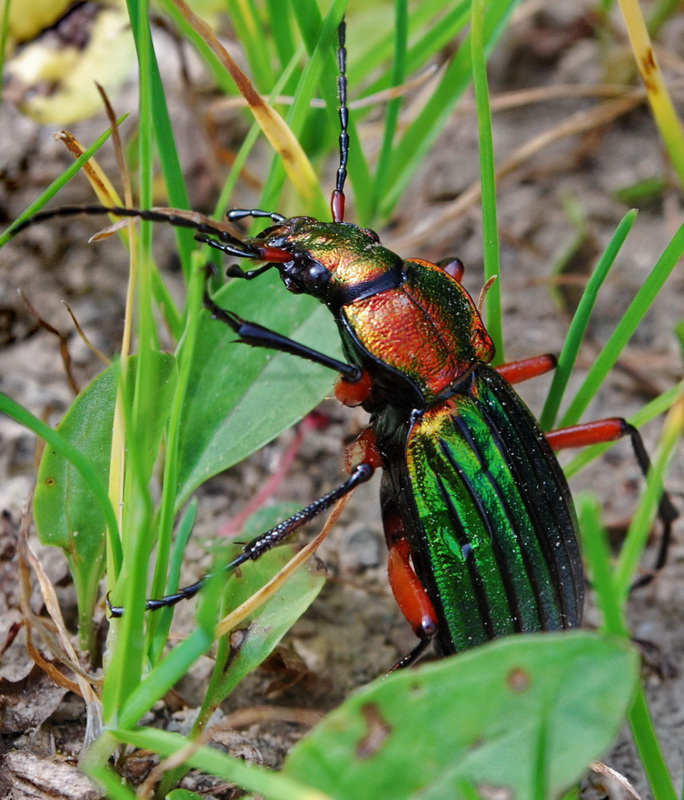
[[477, 514]]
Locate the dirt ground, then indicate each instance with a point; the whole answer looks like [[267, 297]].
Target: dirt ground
[[354, 631]]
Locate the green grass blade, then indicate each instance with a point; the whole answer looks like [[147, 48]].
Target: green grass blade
[[611, 600], [217, 69], [490, 232], [281, 31], [185, 528], [425, 129], [125, 636], [110, 781], [139, 698], [58, 183], [580, 321], [126, 663], [392, 110], [646, 512], [434, 30], [440, 35], [598, 556], [163, 677], [271, 784], [159, 627], [157, 119], [650, 752], [249, 31], [625, 329], [154, 116], [4, 34]]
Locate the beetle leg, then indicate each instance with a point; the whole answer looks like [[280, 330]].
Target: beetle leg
[[412, 599], [409, 593], [610, 430], [353, 393], [364, 450], [452, 266], [257, 213], [415, 655], [258, 336], [519, 371], [266, 541]]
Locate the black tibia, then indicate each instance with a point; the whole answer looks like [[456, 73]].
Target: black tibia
[[271, 538], [258, 336]]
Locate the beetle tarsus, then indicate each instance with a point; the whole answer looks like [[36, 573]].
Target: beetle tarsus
[[414, 656]]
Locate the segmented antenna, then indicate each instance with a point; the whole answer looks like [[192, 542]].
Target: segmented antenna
[[171, 216], [337, 199]]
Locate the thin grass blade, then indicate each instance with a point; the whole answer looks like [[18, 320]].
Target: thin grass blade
[[625, 329], [580, 321]]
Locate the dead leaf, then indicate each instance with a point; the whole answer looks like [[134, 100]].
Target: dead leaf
[[26, 703], [28, 777]]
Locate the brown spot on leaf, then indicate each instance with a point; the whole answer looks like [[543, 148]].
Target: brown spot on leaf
[[518, 680], [377, 730], [237, 640]]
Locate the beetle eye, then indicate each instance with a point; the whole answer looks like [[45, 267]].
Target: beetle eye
[[317, 279]]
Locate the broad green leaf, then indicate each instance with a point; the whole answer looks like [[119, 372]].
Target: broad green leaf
[[482, 718], [64, 506], [240, 397], [267, 626], [66, 512]]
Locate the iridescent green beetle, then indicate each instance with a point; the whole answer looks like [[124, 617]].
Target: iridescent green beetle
[[478, 517]]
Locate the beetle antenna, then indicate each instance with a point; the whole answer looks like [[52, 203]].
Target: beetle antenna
[[178, 218], [257, 213], [337, 200]]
